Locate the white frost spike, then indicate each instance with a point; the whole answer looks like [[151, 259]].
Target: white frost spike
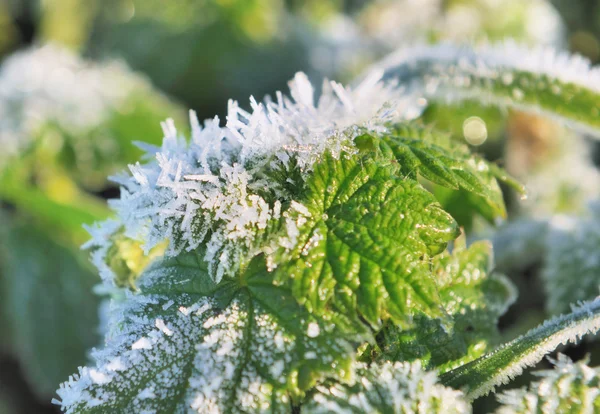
[[569, 387], [210, 191], [494, 57], [454, 72], [584, 319], [205, 359], [401, 387]]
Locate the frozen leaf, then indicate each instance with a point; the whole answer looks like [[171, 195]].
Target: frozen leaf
[[539, 79], [183, 344], [568, 388], [402, 388], [498, 367]]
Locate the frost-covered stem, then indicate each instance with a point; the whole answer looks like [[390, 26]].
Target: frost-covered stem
[[479, 377], [538, 80]]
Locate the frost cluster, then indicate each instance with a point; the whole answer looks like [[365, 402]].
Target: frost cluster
[[401, 387], [49, 85], [223, 188], [191, 356], [568, 388]]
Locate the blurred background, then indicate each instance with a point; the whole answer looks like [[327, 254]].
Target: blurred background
[[80, 80]]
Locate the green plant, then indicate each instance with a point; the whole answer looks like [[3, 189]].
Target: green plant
[[66, 124], [309, 264]]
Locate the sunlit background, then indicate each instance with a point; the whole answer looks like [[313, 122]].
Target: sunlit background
[[80, 80]]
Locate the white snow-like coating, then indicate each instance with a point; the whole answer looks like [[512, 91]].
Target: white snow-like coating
[[569, 387], [492, 59], [197, 358], [495, 74], [50, 84], [212, 190], [401, 387], [220, 190], [584, 319]]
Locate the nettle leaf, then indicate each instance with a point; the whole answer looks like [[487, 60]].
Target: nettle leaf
[[48, 304], [434, 156], [184, 344], [365, 242], [498, 367], [402, 388], [473, 298], [568, 388]]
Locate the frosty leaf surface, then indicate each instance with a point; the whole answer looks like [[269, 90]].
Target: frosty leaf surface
[[184, 345], [538, 80], [402, 388], [365, 240], [498, 367], [568, 388], [472, 298]]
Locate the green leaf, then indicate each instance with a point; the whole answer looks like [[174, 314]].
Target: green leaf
[[49, 305], [172, 347], [472, 297], [536, 80], [366, 242], [402, 388], [481, 376], [436, 158]]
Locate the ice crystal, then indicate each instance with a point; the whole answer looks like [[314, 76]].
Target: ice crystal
[[401, 387], [498, 61], [215, 190], [499, 367], [200, 357], [538, 80], [569, 387]]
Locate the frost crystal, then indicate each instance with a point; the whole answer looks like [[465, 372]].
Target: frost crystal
[[195, 358], [403, 388], [498, 61], [221, 189], [568, 388]]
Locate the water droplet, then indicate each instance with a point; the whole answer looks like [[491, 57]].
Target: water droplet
[[475, 130]]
